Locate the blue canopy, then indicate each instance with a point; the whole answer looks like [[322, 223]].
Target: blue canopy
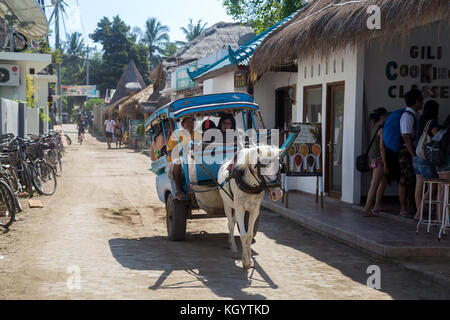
[[211, 103]]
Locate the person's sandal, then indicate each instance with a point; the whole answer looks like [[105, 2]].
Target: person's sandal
[[405, 214], [369, 214]]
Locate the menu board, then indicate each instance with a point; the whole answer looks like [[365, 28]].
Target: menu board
[[133, 126], [305, 154]]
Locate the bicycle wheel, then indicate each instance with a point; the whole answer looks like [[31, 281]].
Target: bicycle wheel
[[7, 205], [58, 166], [68, 140], [27, 179], [44, 178], [54, 159], [11, 178]]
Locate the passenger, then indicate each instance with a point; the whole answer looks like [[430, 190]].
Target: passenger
[[377, 164], [226, 122], [423, 168], [174, 167]]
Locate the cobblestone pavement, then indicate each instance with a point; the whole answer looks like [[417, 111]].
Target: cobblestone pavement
[[106, 225]]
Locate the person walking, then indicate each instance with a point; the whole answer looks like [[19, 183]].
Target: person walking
[[427, 125], [109, 129], [118, 133], [377, 163]]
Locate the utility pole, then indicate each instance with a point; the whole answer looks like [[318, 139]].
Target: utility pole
[[87, 66], [58, 66]]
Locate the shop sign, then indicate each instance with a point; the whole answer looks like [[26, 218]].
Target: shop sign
[[183, 79], [427, 70], [240, 79], [80, 91]]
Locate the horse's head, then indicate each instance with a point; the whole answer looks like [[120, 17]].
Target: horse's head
[[263, 162]]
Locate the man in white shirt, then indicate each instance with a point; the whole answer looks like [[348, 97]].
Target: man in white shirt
[[408, 122], [109, 129]]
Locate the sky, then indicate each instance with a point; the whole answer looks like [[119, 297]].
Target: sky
[[83, 15]]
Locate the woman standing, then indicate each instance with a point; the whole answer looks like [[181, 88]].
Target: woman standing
[[377, 164], [423, 168]]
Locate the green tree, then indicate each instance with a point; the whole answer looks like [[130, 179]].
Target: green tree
[[155, 37], [261, 14], [73, 62], [119, 47], [74, 46], [171, 47], [89, 105], [193, 30]]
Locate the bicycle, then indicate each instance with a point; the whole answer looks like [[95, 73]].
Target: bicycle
[[7, 205]]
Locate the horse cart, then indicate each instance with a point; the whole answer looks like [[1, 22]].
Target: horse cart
[[200, 178]]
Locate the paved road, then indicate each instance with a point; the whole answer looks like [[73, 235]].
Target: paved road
[[106, 225]]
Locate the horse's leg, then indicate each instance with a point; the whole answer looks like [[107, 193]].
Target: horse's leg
[[253, 215], [231, 240], [240, 216]]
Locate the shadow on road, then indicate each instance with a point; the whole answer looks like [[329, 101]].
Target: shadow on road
[[396, 281], [203, 256]]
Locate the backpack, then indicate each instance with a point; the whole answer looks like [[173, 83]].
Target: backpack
[[392, 136], [437, 151]]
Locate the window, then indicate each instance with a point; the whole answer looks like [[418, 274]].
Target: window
[[312, 106]]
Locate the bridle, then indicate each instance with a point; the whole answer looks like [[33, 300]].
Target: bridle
[[263, 184]]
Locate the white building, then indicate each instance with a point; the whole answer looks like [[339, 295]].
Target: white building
[[13, 86], [325, 65]]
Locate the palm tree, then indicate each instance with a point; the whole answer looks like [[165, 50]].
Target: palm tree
[[74, 45], [155, 37], [193, 31], [171, 47]]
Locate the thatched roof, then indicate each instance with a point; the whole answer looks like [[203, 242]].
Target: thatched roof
[[110, 110], [219, 36], [130, 75], [133, 103], [323, 26]]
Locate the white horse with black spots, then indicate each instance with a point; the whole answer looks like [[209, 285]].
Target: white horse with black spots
[[256, 171]]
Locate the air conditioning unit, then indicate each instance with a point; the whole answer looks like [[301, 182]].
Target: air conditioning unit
[[9, 75]]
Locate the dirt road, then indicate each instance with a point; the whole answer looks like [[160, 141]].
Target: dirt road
[[102, 236]]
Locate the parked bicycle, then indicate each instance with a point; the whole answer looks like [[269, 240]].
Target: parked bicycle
[[28, 165]]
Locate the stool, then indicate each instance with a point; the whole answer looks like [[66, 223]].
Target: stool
[[430, 202], [446, 209]]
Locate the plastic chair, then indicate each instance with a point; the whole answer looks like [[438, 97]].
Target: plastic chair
[[445, 209], [430, 202]]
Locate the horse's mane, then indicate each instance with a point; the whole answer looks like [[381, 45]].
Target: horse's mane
[[249, 156]]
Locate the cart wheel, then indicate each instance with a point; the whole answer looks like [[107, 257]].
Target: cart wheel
[[255, 228], [176, 215]]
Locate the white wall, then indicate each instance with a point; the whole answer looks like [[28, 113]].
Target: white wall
[[347, 66], [264, 93], [33, 121], [221, 84]]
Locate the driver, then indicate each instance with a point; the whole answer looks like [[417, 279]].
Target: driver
[[174, 168]]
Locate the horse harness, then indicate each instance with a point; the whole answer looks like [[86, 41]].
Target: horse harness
[[238, 176]]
